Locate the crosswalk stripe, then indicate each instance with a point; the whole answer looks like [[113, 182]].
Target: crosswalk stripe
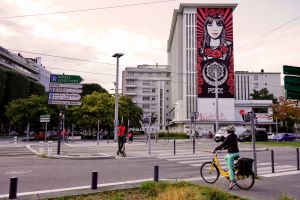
[[281, 174], [278, 170]]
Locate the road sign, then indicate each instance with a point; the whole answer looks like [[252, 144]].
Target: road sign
[[292, 94], [64, 96], [292, 83], [291, 70], [65, 90], [44, 118], [58, 102], [60, 78], [65, 85]]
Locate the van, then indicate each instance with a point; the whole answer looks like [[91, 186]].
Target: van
[[222, 133]]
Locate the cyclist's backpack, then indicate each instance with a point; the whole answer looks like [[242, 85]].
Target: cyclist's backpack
[[245, 166]]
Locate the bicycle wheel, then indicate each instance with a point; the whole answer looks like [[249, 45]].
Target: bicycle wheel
[[245, 182], [209, 172]]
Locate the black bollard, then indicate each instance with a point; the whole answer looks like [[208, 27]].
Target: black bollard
[[298, 167], [174, 147], [194, 144], [156, 173], [13, 188], [94, 180], [272, 161]]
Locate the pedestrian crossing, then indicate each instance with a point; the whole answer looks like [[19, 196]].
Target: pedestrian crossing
[[264, 169]]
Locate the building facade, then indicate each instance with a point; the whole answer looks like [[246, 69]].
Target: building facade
[[30, 67], [246, 82], [149, 88], [200, 54]]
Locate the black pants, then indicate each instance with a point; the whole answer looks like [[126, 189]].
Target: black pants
[[120, 143]]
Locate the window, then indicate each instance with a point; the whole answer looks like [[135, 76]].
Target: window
[[255, 77], [167, 98], [167, 90], [153, 98], [140, 73], [146, 98], [260, 110], [153, 90], [168, 74], [266, 83], [130, 73], [146, 106], [150, 74], [146, 83], [167, 82], [255, 85], [146, 90]]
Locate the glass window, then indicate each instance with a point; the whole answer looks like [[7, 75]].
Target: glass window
[[255, 77], [153, 90], [153, 98], [260, 110], [146, 106], [255, 85], [146, 90], [146, 98]]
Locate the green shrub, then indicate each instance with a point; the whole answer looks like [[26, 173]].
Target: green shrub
[[286, 197], [177, 135]]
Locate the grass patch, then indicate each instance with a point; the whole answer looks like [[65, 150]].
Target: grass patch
[[159, 191], [279, 144], [172, 135], [286, 197]]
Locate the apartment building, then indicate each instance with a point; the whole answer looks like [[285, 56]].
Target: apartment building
[[149, 87]]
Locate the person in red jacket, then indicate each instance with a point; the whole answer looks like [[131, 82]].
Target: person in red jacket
[[121, 136]]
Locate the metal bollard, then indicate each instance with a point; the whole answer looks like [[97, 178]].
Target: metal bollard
[[272, 161], [13, 186], [15, 139], [156, 173], [49, 148], [298, 167], [174, 147], [194, 144], [94, 180], [41, 147]]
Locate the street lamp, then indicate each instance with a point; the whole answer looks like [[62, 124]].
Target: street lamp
[[117, 55]]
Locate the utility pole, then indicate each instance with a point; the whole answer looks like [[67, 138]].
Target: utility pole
[[253, 142], [98, 133], [217, 100], [116, 124]]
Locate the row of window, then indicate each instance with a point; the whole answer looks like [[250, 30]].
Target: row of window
[[148, 106], [150, 74]]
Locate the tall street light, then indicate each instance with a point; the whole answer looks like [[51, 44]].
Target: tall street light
[[116, 124]]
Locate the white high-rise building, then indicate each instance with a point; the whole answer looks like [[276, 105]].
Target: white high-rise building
[[149, 87]]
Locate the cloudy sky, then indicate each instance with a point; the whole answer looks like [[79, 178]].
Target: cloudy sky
[[266, 34]]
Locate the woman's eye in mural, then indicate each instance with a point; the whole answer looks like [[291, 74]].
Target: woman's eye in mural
[[214, 30]]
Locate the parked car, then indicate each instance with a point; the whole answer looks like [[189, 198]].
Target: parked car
[[13, 133], [284, 137], [270, 135], [260, 135], [40, 135], [222, 133]]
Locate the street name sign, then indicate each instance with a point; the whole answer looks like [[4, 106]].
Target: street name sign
[[65, 90], [65, 85], [64, 96], [61, 78], [291, 70], [59, 102], [44, 118]]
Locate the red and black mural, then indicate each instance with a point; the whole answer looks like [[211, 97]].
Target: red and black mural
[[215, 52]]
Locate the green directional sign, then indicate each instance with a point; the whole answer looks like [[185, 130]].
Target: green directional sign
[[292, 94], [291, 70], [61, 78], [292, 83]]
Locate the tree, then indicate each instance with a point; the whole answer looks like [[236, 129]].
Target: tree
[[263, 94], [20, 112], [286, 113], [89, 88], [130, 111]]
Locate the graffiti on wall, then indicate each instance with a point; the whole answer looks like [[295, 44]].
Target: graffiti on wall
[[215, 52]]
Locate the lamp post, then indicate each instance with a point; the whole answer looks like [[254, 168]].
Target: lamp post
[[116, 121]]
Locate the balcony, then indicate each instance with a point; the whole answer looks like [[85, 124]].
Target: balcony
[[130, 93], [130, 86]]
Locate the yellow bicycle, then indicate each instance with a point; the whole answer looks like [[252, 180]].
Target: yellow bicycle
[[210, 172]]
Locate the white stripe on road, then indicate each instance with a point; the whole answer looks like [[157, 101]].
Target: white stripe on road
[[278, 170], [281, 174], [184, 156], [76, 188]]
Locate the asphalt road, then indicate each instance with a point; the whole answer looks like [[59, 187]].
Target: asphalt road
[[36, 173]]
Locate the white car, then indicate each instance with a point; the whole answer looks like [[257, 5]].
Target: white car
[[222, 133]]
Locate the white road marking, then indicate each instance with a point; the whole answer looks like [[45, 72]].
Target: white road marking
[[281, 174]]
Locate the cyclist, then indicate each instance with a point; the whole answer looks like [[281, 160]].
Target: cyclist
[[231, 144], [121, 137]]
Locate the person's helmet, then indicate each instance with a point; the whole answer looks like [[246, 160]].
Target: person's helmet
[[230, 129]]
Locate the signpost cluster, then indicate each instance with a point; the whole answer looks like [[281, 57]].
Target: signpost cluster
[[45, 119], [292, 82], [64, 90]]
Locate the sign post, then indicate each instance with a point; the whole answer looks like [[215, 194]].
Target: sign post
[[46, 119], [65, 91]]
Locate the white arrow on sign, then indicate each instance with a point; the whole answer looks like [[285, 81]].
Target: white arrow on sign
[[64, 96], [71, 103], [65, 90], [65, 85]]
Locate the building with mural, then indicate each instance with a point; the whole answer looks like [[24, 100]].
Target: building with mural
[[201, 57]]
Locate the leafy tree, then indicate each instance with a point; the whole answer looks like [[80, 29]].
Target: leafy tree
[[263, 94], [130, 111], [28, 110], [89, 88], [286, 113]]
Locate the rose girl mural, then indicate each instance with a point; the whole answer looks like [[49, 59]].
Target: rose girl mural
[[215, 52]]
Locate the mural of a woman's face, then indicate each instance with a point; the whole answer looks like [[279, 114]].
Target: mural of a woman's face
[[214, 28]]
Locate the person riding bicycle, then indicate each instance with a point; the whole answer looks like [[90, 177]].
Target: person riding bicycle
[[231, 144], [121, 137]]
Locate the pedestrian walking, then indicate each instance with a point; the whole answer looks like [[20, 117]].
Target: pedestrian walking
[[130, 136]]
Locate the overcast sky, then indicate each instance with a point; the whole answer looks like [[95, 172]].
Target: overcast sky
[[141, 33]]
